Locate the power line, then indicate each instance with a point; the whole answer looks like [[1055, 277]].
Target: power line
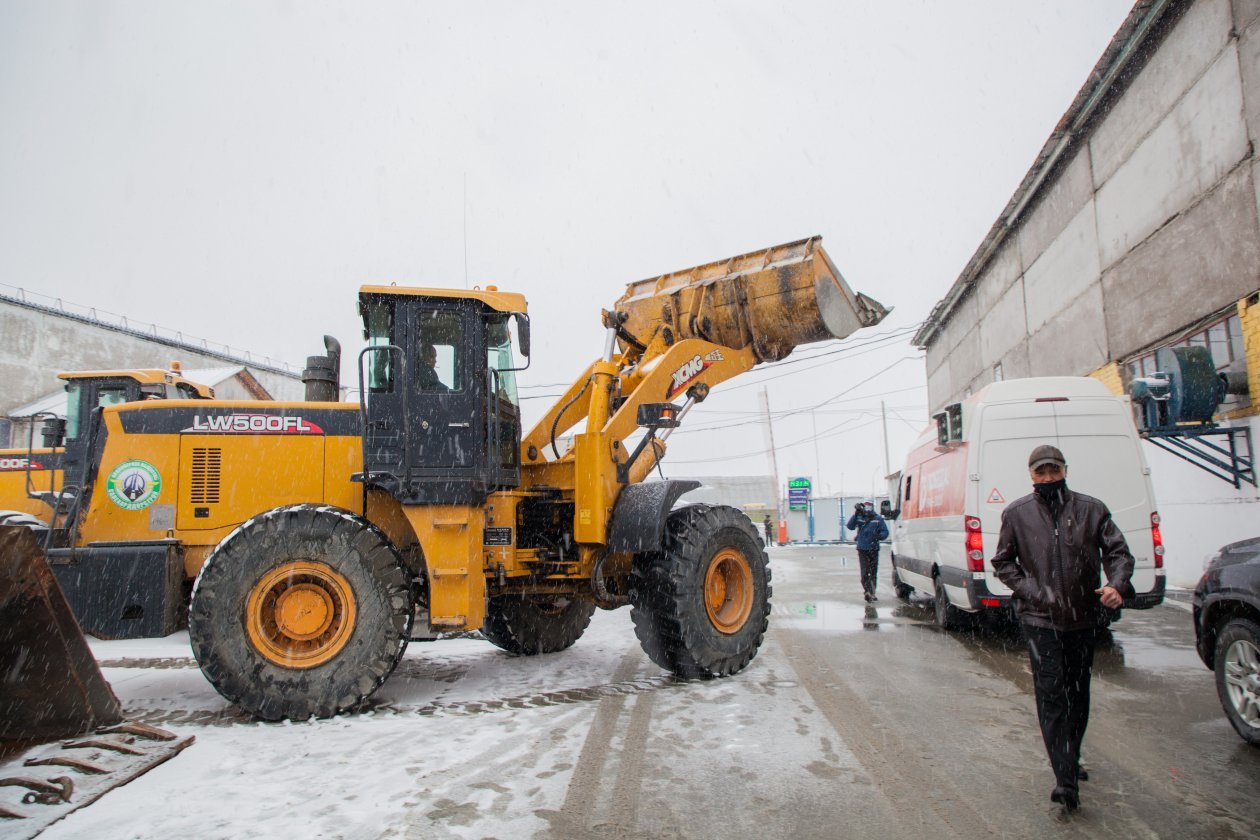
[[864, 397], [866, 340], [828, 433]]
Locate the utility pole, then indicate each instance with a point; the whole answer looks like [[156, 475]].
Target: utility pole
[[817, 463], [884, 413], [774, 464]]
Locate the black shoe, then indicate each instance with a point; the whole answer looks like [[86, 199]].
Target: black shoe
[[1082, 775], [1067, 797], [868, 596], [874, 597]]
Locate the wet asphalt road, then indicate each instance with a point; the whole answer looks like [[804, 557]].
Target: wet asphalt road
[[943, 724], [870, 722]]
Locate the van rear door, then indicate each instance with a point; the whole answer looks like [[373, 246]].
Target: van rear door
[[1104, 460], [1008, 432]]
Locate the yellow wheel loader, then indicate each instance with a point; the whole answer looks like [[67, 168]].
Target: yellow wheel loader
[[31, 477], [323, 536]]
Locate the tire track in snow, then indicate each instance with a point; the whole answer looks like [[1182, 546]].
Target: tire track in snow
[[625, 803], [615, 691], [573, 820]]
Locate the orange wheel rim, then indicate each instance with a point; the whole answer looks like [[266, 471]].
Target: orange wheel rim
[[728, 590], [300, 614]]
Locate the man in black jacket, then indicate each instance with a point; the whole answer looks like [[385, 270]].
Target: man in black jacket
[[1052, 548]]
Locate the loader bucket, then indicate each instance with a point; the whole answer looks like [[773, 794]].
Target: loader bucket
[[774, 299], [50, 686]]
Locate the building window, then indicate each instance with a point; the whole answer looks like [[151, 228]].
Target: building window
[[1223, 337]]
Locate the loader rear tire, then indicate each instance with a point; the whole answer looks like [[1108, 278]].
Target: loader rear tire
[[301, 612], [701, 606], [530, 625]]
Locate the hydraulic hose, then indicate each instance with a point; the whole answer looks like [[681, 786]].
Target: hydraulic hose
[[555, 423]]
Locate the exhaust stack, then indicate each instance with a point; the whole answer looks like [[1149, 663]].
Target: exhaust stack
[[322, 376]]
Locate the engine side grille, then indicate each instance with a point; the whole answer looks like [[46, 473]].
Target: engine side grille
[[206, 464]]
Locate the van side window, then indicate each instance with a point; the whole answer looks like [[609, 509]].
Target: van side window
[[949, 424], [906, 497], [955, 421]]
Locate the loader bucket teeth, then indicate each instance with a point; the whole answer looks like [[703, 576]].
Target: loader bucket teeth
[[50, 686], [42, 792], [40, 800], [82, 765], [140, 730], [101, 744]]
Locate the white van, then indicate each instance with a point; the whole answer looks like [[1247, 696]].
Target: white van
[[965, 469]]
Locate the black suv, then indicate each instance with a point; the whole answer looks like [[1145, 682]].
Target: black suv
[[1227, 631]]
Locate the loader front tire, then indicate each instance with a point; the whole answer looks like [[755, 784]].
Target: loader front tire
[[530, 625], [301, 612], [701, 606]]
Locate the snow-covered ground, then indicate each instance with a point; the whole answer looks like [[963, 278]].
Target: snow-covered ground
[[464, 741], [854, 720]]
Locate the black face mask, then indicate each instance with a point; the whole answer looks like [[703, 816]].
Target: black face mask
[[1052, 490]]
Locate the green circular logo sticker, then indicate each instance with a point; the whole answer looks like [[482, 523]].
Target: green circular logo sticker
[[134, 485]]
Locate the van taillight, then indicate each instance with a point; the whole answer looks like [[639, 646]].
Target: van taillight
[[975, 545], [1158, 539]]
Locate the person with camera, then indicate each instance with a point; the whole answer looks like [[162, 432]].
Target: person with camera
[[871, 530]]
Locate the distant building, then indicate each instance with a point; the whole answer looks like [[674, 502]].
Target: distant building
[[753, 494], [1137, 228], [229, 383], [40, 339]]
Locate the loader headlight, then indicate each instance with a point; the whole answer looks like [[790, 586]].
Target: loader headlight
[[658, 416]]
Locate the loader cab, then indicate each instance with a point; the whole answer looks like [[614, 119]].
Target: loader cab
[[442, 420], [88, 391]]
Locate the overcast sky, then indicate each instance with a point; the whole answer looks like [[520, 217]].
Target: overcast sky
[[236, 170]]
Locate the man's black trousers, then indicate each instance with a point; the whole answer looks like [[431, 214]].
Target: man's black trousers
[[1061, 662], [868, 560]]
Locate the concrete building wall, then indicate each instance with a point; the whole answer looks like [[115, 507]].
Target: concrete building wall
[[1149, 223], [1162, 198], [36, 345]]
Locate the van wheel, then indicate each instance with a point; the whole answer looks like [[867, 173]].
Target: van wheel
[[1238, 676], [901, 590], [948, 616]]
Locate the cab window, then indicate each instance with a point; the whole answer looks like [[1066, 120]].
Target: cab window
[[440, 354], [74, 394], [500, 358], [378, 320]]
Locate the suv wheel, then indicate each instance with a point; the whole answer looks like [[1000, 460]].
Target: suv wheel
[[1238, 676]]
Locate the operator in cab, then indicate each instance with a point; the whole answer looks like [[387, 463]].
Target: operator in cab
[[426, 376]]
